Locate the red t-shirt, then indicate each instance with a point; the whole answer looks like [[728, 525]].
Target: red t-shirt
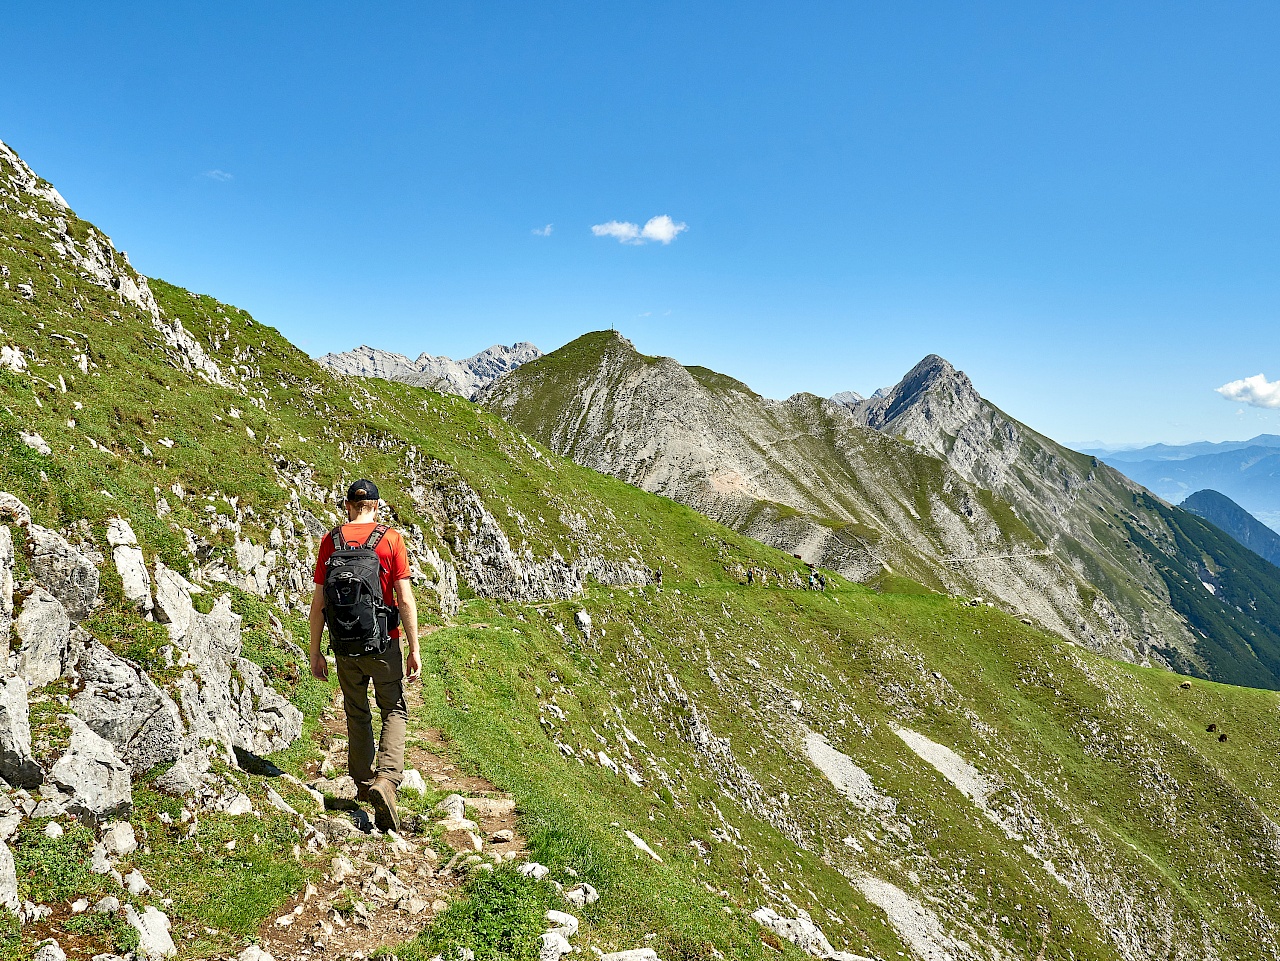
[[391, 553]]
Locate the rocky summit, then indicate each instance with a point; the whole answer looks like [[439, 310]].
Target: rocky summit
[[466, 378], [925, 479], [641, 735]]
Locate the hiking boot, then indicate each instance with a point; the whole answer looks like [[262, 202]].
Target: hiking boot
[[382, 798], [362, 794]]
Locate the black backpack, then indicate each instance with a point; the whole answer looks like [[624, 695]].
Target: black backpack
[[359, 620]]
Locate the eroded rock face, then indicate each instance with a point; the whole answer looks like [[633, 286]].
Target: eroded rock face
[[8, 880], [224, 697], [17, 765], [44, 629], [120, 703], [93, 781], [173, 601], [63, 570]]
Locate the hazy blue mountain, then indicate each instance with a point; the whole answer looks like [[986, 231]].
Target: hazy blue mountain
[[1250, 476], [1225, 514]]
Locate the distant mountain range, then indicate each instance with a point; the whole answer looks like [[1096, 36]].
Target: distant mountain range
[[443, 374], [1246, 471], [925, 479]]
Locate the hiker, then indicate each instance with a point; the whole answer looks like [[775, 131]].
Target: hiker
[[751, 575], [657, 578], [362, 594]]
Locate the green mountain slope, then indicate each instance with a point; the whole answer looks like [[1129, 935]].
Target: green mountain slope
[[1225, 514], [1065, 539], [923, 777]]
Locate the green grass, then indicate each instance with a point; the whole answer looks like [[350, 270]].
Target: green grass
[[499, 915]]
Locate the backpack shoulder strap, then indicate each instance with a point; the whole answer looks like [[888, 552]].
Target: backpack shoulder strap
[[376, 537], [339, 542]]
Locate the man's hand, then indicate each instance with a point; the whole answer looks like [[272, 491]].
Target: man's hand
[[412, 664], [319, 666]]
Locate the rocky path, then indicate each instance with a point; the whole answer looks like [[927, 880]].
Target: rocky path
[[382, 889]]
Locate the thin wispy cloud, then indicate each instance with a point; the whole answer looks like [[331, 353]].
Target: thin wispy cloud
[[542, 231], [221, 176], [1256, 391], [661, 229]]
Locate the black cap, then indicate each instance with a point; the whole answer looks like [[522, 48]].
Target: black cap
[[362, 490]]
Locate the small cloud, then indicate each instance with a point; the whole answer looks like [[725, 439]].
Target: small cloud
[[661, 229], [221, 176], [542, 231], [1256, 391]]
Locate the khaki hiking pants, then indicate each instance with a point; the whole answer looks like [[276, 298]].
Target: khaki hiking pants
[[386, 670]]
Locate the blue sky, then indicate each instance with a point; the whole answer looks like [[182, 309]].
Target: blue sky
[[1075, 203]]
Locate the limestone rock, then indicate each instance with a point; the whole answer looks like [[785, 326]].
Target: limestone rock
[[581, 895], [8, 880], [800, 931], [635, 954], [6, 586], [565, 924], [173, 605], [45, 632], [92, 779], [118, 839], [122, 704], [583, 621], [152, 925], [135, 582], [63, 570], [413, 781], [35, 441], [17, 765], [254, 953], [12, 509], [554, 946], [466, 378], [49, 950]]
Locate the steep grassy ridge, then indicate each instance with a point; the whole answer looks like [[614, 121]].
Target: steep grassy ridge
[[925, 778]]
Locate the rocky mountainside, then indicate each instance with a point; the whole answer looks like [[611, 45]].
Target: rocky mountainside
[[709, 769], [1225, 514], [1065, 540], [465, 378]]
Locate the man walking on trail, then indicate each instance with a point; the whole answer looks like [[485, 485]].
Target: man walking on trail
[[361, 616]]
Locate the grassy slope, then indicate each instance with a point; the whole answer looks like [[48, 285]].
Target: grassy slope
[[1113, 761]]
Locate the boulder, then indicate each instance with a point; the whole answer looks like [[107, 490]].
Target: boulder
[[152, 925], [12, 509], [49, 951], [583, 621], [581, 895], [45, 632], [17, 765], [6, 586], [92, 779], [800, 931], [119, 702], [135, 582], [173, 605], [63, 571], [554, 947], [8, 880]]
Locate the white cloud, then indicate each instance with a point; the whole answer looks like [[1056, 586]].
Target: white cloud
[[543, 231], [1256, 391], [219, 175], [661, 229]]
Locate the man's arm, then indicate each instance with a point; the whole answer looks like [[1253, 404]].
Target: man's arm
[[409, 624], [315, 618]]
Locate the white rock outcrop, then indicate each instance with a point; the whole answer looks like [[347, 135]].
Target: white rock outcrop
[[17, 765], [63, 570], [44, 629], [135, 582], [92, 780], [154, 939]]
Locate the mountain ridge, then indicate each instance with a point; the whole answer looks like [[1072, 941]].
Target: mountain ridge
[[1068, 540], [466, 378]]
